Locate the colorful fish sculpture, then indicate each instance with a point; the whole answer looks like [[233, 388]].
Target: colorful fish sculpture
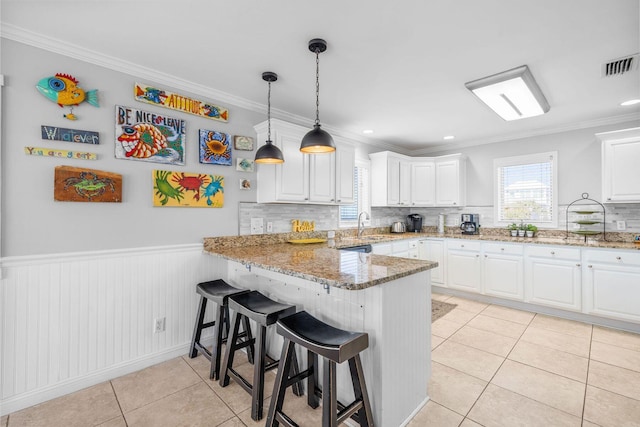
[[63, 89]]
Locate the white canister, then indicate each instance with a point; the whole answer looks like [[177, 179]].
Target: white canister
[[441, 220]]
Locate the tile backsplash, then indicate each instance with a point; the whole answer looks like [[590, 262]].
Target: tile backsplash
[[326, 217]]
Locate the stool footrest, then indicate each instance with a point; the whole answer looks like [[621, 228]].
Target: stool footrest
[[246, 385], [205, 352], [282, 418], [349, 411]]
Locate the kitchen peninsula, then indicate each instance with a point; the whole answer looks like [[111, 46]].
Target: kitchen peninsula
[[389, 298]]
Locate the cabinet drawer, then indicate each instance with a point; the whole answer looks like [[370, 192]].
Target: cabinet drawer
[[502, 248], [465, 245], [631, 258], [400, 246], [554, 252]]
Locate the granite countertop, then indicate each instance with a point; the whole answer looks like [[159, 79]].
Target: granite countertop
[[557, 239], [318, 262]]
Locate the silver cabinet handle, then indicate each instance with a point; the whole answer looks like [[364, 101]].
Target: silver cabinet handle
[[502, 249], [486, 256], [590, 266], [618, 258], [578, 265], [553, 253], [478, 256], [462, 246], [339, 200]]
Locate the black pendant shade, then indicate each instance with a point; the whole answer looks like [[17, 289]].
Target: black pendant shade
[[317, 141], [269, 153]]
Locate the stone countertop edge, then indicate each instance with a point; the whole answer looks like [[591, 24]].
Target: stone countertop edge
[[282, 258]]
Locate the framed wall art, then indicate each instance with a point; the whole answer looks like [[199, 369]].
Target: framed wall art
[[182, 189], [244, 143], [245, 165], [86, 185], [150, 137], [245, 184], [215, 147]]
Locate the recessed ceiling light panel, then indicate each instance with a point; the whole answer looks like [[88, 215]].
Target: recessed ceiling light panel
[[513, 94]]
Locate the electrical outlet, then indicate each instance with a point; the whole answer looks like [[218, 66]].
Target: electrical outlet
[[269, 227], [159, 324], [621, 225], [257, 226]]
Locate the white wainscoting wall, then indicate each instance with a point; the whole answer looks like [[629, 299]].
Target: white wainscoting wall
[[69, 321]]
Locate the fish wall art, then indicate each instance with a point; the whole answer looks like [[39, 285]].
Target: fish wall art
[[151, 95], [63, 89], [244, 165], [150, 137], [181, 189], [215, 147], [86, 185]]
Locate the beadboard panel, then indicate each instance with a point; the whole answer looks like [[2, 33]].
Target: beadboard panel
[[72, 320]]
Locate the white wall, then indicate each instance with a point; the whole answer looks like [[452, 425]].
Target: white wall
[[33, 223]]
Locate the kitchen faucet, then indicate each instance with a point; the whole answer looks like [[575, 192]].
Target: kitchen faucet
[[361, 223]]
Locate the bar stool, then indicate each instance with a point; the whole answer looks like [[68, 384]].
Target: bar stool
[[264, 311], [218, 291], [335, 346]]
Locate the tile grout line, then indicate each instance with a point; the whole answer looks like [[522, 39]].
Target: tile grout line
[[118, 402], [494, 374], [586, 380], [214, 392]]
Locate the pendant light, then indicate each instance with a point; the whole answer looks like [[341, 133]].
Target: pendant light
[[317, 141], [269, 153]]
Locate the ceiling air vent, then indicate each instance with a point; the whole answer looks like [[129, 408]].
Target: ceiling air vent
[[618, 67]]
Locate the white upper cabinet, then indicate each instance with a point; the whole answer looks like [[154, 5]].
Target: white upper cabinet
[[450, 181], [390, 179], [345, 161], [303, 178], [400, 180], [423, 177], [620, 171]]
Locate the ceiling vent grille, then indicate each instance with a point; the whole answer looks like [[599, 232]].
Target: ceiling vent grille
[[618, 67]]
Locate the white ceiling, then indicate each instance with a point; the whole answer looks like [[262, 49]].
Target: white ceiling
[[398, 68]]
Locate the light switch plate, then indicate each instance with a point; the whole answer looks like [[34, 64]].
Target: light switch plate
[[621, 225], [257, 226]]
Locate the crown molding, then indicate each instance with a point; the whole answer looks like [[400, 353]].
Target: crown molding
[[31, 38], [526, 134]]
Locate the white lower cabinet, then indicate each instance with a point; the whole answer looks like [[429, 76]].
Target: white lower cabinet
[[503, 270], [433, 250], [553, 277], [612, 283], [463, 265]]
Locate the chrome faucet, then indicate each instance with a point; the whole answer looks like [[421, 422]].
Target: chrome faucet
[[360, 223]]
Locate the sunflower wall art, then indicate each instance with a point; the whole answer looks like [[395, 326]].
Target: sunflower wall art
[[215, 147], [182, 189]]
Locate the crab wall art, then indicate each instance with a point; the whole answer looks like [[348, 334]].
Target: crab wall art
[[86, 185], [215, 147], [187, 189]]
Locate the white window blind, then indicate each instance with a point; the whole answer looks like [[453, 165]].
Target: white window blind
[[526, 189], [349, 213]]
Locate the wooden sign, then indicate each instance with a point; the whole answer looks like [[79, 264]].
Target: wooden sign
[[66, 154], [53, 133], [174, 101], [86, 185]]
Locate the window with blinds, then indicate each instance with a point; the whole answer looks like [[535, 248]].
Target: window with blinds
[[349, 213], [526, 190]]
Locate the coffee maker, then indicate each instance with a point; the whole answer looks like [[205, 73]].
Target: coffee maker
[[470, 223], [414, 223]]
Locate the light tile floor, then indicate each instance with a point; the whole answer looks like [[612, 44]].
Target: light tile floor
[[492, 366]]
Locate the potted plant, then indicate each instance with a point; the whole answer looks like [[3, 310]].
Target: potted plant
[[522, 229], [531, 230], [513, 228]]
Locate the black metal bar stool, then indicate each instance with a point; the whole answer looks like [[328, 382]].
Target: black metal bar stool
[[335, 346], [264, 311], [219, 292]]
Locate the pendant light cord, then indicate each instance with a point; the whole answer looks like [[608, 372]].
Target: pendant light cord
[[269, 114], [317, 87]]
